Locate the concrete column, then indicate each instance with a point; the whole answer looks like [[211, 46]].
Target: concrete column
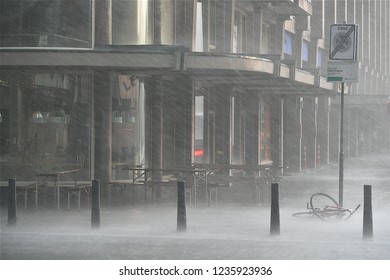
[[250, 107], [315, 131], [222, 130], [281, 136], [322, 130], [205, 21], [300, 131], [157, 39], [183, 121], [157, 121], [329, 108], [102, 107], [275, 128], [291, 134], [102, 110], [103, 22], [185, 20], [225, 26], [154, 127], [278, 42]]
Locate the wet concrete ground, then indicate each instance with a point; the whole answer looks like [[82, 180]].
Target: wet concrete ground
[[235, 228]]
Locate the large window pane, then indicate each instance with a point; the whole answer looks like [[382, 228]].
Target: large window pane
[[264, 131], [46, 124], [128, 122], [42, 23]]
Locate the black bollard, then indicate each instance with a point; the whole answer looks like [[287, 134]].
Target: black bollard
[[275, 217], [181, 207], [95, 213], [11, 202], [367, 213]]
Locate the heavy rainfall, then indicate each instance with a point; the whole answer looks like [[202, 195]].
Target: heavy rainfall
[[194, 130]]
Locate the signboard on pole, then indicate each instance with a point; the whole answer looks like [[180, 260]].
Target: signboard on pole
[[343, 42], [343, 71]]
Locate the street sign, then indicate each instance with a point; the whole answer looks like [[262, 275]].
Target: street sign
[[343, 42], [343, 71]]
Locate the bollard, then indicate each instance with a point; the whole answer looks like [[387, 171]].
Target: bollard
[[275, 217], [95, 211], [11, 202], [181, 207], [367, 213]]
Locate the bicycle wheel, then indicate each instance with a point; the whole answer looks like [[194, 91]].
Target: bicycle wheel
[[307, 214], [325, 207]]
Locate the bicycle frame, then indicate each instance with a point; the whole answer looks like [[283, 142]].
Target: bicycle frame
[[324, 207]]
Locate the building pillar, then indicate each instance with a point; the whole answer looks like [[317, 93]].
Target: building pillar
[[183, 122], [291, 134], [250, 109], [316, 150], [329, 108], [154, 122], [102, 110], [322, 130], [157, 39], [278, 42], [222, 130], [281, 135], [275, 129], [185, 22], [103, 22]]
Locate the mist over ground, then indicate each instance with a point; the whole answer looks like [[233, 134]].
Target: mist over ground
[[234, 228]]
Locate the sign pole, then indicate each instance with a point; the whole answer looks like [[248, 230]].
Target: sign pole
[[344, 68], [341, 156]]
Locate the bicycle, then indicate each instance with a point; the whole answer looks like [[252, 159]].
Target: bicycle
[[326, 208]]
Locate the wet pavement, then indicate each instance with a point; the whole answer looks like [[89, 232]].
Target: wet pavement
[[235, 228]]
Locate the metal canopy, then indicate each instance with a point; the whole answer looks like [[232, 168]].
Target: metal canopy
[[254, 72]]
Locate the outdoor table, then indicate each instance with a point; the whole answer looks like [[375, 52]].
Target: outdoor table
[[56, 178], [199, 175]]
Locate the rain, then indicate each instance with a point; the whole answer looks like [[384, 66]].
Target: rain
[[194, 130], [234, 228]]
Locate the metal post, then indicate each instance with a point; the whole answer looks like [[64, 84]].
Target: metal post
[[181, 207], [341, 156], [275, 217], [11, 202], [367, 213], [95, 210]]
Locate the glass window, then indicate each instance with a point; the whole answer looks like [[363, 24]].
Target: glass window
[[46, 124], [199, 28], [264, 130], [237, 121], [288, 43], [128, 119], [239, 32], [319, 57], [41, 23], [199, 147]]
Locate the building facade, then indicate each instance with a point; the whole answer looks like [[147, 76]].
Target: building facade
[[98, 84]]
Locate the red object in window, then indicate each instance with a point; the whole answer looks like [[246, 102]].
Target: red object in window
[[199, 153]]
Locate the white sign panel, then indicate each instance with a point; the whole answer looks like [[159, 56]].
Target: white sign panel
[[343, 42], [343, 71]]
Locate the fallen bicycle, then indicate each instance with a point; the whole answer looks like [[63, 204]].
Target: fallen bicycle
[[326, 208]]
